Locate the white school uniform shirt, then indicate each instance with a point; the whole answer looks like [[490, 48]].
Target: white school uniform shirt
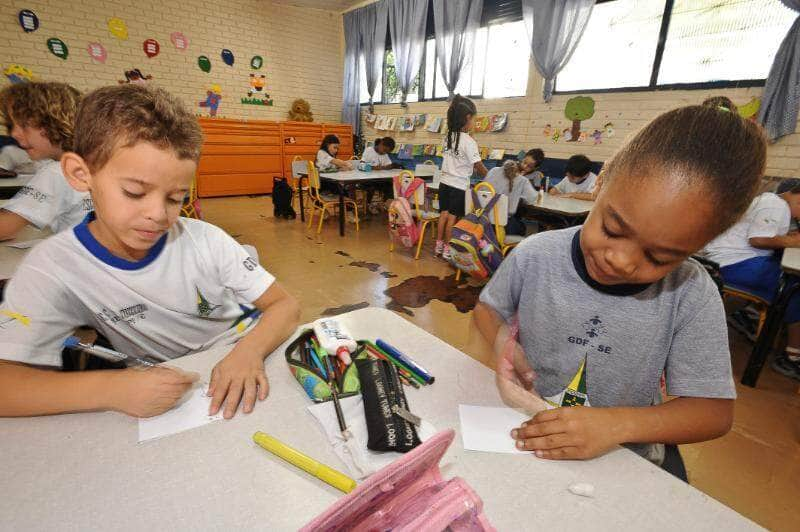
[[373, 158], [49, 201], [767, 216], [185, 296], [457, 166], [520, 190], [565, 186], [324, 159]]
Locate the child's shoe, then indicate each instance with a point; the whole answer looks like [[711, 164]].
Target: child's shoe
[[788, 365], [438, 248], [446, 253]]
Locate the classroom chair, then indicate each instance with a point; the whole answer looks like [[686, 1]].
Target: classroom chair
[[299, 165], [191, 205], [423, 217], [324, 201]]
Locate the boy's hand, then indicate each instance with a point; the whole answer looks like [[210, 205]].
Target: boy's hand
[[239, 374], [569, 433], [150, 392], [514, 376]]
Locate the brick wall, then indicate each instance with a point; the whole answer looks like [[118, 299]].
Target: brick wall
[[301, 48], [628, 112]]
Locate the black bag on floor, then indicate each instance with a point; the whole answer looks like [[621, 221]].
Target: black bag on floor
[[282, 199]]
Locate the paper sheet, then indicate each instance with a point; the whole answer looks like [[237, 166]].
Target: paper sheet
[[190, 414], [25, 244], [488, 428]]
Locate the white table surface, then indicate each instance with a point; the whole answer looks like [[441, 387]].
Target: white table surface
[[10, 258], [86, 471], [791, 260], [560, 205], [353, 176], [19, 181]]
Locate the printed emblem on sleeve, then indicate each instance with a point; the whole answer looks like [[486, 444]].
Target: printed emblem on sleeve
[[36, 194], [250, 263]]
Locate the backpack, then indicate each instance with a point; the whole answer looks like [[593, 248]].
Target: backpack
[[402, 227], [474, 246], [282, 199]]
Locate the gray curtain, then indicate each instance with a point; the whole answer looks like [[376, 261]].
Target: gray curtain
[[456, 22], [555, 28], [352, 79], [372, 26], [407, 28], [781, 98]]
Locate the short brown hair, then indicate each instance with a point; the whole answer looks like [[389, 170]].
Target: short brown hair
[[698, 145], [47, 105], [721, 102], [124, 115]]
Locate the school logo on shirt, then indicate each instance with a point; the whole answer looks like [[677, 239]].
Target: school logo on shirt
[[36, 194], [204, 307], [87, 204], [575, 393], [130, 314]]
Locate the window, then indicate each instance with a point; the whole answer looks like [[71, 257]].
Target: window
[[363, 79], [391, 93], [704, 42]]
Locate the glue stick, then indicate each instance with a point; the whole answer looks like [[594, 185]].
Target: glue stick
[[335, 339]]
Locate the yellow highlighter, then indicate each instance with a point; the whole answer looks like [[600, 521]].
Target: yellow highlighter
[[336, 479]]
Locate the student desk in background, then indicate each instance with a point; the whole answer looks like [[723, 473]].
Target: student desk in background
[[86, 471], [10, 186], [567, 211], [788, 287]]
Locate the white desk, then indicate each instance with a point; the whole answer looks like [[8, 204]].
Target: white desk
[[567, 210], [9, 187], [353, 177], [86, 471], [791, 260]]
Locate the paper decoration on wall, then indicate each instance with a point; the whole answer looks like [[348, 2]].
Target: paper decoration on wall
[[391, 123], [97, 52], [497, 154], [227, 57], [481, 124], [117, 28], [435, 125], [256, 62], [151, 48], [498, 122], [556, 136], [300, 111], [213, 97], [179, 40], [609, 129], [28, 20], [418, 150], [439, 150], [419, 120], [406, 151], [577, 109], [204, 63], [548, 130], [750, 109], [17, 73], [257, 82], [406, 123], [520, 155], [484, 152], [380, 122], [429, 149], [135, 75], [566, 134], [370, 118], [597, 136], [58, 47], [582, 137]]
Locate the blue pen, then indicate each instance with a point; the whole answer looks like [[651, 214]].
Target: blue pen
[[316, 359], [413, 366]]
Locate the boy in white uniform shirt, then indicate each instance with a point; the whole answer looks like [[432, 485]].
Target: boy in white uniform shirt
[[40, 117], [378, 156], [152, 283], [579, 177]]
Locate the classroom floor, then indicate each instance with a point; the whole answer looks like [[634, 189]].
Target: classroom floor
[[755, 469]]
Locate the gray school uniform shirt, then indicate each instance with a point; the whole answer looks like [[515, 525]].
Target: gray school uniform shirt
[[605, 346]]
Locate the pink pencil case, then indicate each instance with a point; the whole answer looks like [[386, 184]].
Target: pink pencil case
[[408, 495]]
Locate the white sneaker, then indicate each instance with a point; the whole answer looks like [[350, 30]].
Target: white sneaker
[[447, 254], [439, 247]]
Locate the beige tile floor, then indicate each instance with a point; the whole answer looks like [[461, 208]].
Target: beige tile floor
[[755, 469]]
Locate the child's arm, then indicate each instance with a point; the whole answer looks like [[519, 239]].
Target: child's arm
[[338, 163], [588, 196], [792, 240], [28, 391], [11, 223], [581, 433], [241, 373], [480, 169]]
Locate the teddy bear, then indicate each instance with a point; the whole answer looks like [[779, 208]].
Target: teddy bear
[[301, 111]]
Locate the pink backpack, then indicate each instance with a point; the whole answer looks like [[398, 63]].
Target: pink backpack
[[402, 227], [408, 495]]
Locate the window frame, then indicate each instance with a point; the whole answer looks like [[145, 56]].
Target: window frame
[[653, 86]]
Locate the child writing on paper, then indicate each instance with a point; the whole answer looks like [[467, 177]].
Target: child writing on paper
[[40, 116], [152, 283], [326, 155], [605, 309], [578, 177], [378, 156], [747, 257], [460, 158], [507, 180]]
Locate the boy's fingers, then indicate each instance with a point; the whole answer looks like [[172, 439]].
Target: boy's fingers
[[534, 430], [213, 382], [219, 394], [249, 399], [233, 398], [562, 453], [552, 441], [263, 386]]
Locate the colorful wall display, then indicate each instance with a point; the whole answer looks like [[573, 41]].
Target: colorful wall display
[[118, 28], [18, 73], [204, 63], [28, 20], [179, 40], [212, 101], [256, 62], [227, 57], [578, 109], [97, 52], [151, 48], [58, 47]]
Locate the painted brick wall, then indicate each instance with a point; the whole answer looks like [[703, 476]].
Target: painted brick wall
[[628, 112], [301, 47]]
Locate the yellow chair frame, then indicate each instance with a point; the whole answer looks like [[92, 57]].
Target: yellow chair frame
[[417, 215], [318, 202], [762, 304], [190, 207]]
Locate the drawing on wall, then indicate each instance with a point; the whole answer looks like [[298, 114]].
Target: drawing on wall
[[255, 94], [151, 48], [750, 109], [406, 123], [58, 48], [213, 98], [118, 28], [227, 57], [256, 62], [97, 52], [435, 125], [548, 130], [18, 73], [135, 75], [204, 63], [28, 20], [179, 40], [608, 127], [578, 109]]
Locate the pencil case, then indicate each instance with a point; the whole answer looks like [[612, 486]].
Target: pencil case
[[303, 366], [408, 495], [385, 407]]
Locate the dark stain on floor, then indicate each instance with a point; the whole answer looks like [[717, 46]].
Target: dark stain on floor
[[371, 266], [416, 292], [343, 254], [333, 311], [388, 275]]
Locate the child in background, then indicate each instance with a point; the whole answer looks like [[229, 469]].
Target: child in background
[[152, 283], [378, 156], [588, 196], [13, 159], [507, 180], [529, 167], [748, 258], [579, 177], [326, 156], [604, 310], [460, 158], [40, 117]]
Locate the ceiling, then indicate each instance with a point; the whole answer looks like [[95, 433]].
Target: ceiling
[[329, 5]]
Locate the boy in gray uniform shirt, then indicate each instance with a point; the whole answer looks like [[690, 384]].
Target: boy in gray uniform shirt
[[603, 311]]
